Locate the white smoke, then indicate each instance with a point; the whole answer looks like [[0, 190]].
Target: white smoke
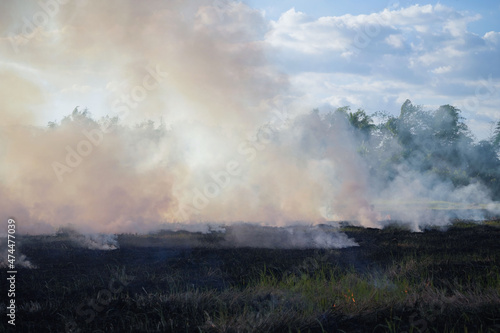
[[20, 259], [292, 237], [96, 241], [234, 143]]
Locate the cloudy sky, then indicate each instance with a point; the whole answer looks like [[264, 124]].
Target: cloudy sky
[[366, 54], [375, 54]]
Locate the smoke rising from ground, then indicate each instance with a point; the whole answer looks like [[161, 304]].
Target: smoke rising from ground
[[90, 241], [246, 235], [231, 140], [20, 259]]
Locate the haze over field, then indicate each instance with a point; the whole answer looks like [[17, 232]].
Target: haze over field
[[200, 111]]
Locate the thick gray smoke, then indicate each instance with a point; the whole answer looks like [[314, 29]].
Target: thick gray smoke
[[231, 141], [225, 151]]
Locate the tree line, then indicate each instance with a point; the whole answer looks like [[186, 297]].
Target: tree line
[[436, 142], [428, 142]]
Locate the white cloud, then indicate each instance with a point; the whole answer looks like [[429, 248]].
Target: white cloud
[[296, 31], [492, 37], [442, 69], [396, 41]]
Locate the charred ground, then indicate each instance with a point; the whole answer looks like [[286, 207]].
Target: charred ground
[[395, 280]]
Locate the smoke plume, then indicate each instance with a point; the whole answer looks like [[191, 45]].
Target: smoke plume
[[230, 140], [18, 259]]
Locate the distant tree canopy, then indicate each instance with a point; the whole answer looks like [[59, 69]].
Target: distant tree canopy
[[359, 119], [436, 142], [495, 140]]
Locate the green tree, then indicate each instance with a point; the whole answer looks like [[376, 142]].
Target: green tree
[[361, 121], [412, 127], [448, 126], [81, 117], [496, 136], [408, 109]]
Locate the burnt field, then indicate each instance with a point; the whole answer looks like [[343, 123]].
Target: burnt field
[[396, 280]]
